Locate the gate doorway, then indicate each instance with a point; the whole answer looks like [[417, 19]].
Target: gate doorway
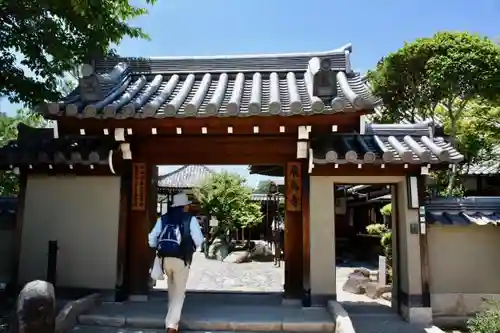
[[238, 255], [366, 236]]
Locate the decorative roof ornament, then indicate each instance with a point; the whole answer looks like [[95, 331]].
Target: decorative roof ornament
[[90, 87]]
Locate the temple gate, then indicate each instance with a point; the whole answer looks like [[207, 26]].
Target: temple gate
[[299, 115]]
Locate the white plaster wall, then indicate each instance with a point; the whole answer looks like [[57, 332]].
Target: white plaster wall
[[82, 214], [464, 268]]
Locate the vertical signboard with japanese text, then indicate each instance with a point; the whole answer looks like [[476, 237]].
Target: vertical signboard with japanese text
[[293, 187], [139, 186]]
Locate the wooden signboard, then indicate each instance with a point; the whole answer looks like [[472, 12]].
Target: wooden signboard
[[293, 187], [139, 186]]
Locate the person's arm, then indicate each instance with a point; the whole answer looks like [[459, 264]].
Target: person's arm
[[196, 233], [154, 234]]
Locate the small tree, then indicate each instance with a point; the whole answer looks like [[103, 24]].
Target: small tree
[[487, 320], [226, 197], [449, 69], [385, 234]]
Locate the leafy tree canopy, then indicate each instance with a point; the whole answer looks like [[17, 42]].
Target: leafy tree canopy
[[449, 68], [226, 197], [9, 182], [452, 76], [51, 37]]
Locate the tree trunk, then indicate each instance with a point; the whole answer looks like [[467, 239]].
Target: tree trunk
[[453, 173]]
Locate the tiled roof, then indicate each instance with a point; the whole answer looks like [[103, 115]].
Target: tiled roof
[[464, 211], [187, 176], [411, 144], [239, 86], [489, 167], [37, 146]]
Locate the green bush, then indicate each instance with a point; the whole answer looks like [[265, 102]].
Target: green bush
[[486, 321], [377, 229], [386, 210]]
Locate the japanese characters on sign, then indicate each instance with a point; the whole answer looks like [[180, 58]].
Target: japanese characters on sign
[[139, 186], [293, 187]]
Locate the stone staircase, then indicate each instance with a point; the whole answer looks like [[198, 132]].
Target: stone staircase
[[208, 313]]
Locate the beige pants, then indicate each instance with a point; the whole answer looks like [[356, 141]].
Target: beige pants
[[177, 275]]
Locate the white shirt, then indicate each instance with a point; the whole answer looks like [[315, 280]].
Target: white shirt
[[195, 232]]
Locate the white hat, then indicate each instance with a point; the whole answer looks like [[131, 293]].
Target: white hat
[[180, 199]]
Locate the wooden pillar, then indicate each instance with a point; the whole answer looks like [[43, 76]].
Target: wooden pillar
[[21, 201], [424, 247], [122, 279], [293, 230], [306, 238], [138, 228]]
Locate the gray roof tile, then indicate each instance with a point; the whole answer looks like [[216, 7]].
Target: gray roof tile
[[37, 146], [464, 211], [412, 144], [489, 167], [216, 86], [187, 176]]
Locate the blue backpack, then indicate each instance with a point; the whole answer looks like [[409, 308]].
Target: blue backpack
[[175, 238]]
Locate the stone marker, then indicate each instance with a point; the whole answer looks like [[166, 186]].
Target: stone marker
[[382, 270], [36, 308]]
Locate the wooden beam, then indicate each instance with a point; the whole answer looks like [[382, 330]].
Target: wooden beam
[[215, 150], [213, 125]]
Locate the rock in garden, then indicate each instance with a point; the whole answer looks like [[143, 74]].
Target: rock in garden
[[387, 296], [356, 283], [36, 308], [218, 250], [261, 252], [238, 257], [363, 271], [374, 290]]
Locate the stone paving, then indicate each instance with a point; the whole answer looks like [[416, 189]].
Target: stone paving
[[210, 274]]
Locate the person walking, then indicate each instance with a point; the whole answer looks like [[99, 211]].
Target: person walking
[[176, 236]]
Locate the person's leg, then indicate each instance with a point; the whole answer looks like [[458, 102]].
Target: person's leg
[[180, 274], [169, 275]]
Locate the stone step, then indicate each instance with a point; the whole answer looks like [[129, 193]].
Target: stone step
[[102, 329], [151, 315]]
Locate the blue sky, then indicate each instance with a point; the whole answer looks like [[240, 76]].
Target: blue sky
[[375, 28]]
